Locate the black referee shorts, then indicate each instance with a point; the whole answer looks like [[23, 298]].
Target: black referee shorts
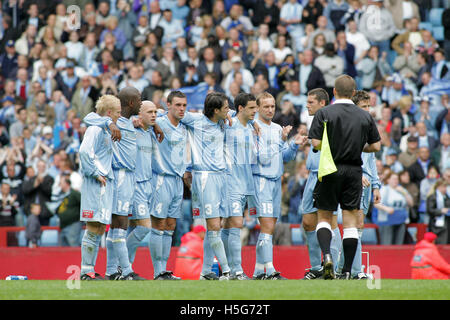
[[343, 187]]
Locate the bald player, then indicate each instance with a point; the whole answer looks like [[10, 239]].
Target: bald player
[[139, 221]]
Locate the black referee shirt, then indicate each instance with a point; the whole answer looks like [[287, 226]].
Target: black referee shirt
[[349, 128]]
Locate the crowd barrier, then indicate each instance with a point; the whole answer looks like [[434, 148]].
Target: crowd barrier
[[54, 263]]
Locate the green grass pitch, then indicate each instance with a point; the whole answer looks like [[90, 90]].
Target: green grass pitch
[[229, 290]]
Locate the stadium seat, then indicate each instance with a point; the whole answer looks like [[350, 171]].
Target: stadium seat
[[49, 238], [436, 16], [369, 236], [426, 26], [297, 236], [438, 33], [21, 238]]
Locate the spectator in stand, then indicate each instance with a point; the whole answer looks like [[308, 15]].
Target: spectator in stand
[[236, 19], [426, 138], [426, 185], [38, 189], [9, 206], [377, 24], [295, 96], [168, 66], [412, 35], [173, 29], [413, 190], [69, 214], [346, 51], [392, 160], [409, 156], [209, 64], [89, 25], [155, 84], [402, 10], [180, 12], [281, 50], [27, 40], [264, 42], [331, 65], [46, 114], [440, 69], [133, 79], [322, 28], [441, 155], [8, 60], [238, 66], [427, 263], [16, 129], [393, 211], [319, 43], [311, 12], [291, 17], [358, 40], [33, 230], [67, 80], [428, 44], [446, 25], [438, 208], [309, 75], [372, 68], [406, 63], [419, 169], [335, 11], [402, 111], [267, 12], [84, 97]]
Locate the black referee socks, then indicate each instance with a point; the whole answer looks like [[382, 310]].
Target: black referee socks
[[324, 236]]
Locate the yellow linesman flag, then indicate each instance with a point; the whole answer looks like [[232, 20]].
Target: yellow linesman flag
[[326, 162]]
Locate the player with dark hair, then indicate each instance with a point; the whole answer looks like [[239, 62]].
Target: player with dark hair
[[209, 188], [169, 166], [239, 155]]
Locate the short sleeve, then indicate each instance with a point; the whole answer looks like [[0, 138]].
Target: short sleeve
[[316, 130], [374, 135]]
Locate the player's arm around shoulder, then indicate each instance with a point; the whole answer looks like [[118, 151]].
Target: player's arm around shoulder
[[88, 150]]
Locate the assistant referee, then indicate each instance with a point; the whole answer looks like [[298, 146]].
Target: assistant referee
[[351, 131]]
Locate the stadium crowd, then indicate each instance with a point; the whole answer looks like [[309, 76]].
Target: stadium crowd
[[53, 71]]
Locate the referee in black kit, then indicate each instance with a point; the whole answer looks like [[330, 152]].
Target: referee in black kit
[[351, 130]]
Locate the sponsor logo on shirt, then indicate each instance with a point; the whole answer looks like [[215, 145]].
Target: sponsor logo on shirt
[[88, 214]]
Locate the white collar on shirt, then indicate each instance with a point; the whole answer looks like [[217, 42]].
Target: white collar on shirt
[[346, 101]]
